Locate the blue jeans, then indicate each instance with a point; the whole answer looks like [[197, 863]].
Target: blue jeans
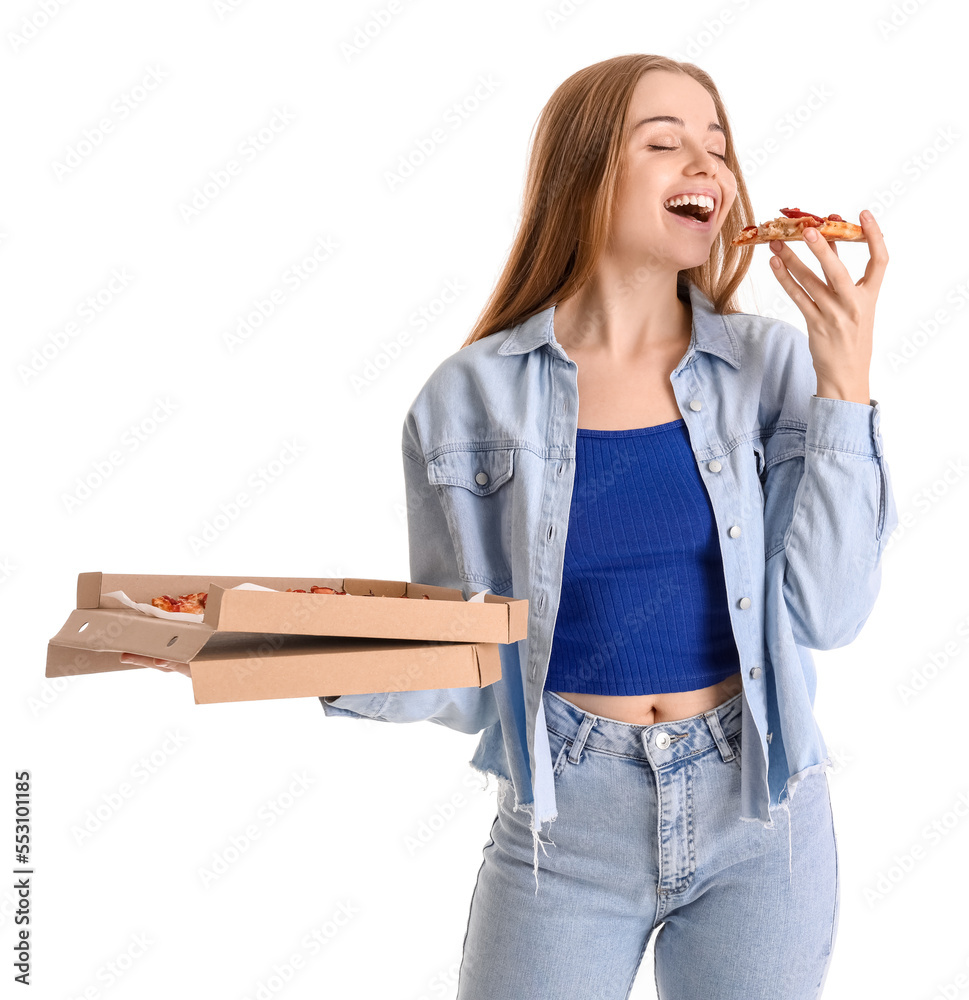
[[648, 836]]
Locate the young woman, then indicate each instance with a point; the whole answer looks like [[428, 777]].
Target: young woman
[[690, 498]]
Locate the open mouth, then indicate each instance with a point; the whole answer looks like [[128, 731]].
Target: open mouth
[[698, 207]]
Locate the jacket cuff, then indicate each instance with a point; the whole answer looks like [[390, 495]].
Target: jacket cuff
[[844, 425], [354, 706]]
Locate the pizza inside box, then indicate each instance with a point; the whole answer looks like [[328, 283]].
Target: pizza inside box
[[260, 641]]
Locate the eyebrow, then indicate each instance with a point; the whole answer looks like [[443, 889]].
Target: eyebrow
[[712, 127]]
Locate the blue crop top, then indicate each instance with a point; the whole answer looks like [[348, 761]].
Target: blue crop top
[[643, 608]]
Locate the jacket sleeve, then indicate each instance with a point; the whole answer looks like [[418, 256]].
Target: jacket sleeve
[[433, 561], [829, 511]]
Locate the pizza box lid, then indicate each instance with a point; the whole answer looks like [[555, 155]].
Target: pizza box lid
[[384, 609]]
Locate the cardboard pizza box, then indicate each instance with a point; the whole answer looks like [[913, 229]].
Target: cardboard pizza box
[[257, 644]]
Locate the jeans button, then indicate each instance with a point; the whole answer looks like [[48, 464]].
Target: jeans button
[[662, 740]]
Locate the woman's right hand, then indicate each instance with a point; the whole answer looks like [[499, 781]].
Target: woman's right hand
[[150, 661]]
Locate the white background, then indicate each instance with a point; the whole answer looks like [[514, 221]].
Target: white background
[[884, 129]]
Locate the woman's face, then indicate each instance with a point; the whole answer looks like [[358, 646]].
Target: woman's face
[[664, 159]]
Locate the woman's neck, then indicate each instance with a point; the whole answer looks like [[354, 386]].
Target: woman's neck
[[623, 327]]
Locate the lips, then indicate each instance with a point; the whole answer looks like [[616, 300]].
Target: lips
[[693, 223]]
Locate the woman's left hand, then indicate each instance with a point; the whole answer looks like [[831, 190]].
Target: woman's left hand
[[840, 314]]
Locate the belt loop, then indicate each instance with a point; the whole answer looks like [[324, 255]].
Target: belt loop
[[581, 736], [713, 721]]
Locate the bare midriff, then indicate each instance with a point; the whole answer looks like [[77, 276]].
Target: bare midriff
[[645, 709], [622, 397]]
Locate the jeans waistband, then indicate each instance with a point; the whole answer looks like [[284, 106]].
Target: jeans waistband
[[661, 743]]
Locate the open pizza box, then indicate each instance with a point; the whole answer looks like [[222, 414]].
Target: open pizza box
[[253, 644]]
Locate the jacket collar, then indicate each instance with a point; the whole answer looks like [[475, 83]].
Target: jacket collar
[[710, 333]]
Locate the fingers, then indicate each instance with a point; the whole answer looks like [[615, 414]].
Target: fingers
[[878, 261], [787, 264], [801, 299], [837, 274], [839, 280], [137, 660]]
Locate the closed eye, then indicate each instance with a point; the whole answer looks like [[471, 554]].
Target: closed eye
[[720, 155]]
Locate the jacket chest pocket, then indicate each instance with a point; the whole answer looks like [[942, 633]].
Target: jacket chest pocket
[[479, 472], [477, 493]]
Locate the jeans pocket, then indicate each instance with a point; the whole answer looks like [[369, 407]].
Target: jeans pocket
[[559, 747]]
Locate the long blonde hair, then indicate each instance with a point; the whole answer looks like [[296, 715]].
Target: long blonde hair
[[577, 161]]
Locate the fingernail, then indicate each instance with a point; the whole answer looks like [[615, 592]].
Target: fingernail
[[867, 216], [775, 262], [810, 235]]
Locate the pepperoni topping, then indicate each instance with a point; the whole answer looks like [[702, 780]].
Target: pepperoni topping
[[796, 213], [746, 228]]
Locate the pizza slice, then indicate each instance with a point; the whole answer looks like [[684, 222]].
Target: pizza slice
[[194, 604], [189, 604], [792, 222]]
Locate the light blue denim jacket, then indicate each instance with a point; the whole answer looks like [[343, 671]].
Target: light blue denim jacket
[[803, 506]]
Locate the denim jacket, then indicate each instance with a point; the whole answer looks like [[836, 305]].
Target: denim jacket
[[802, 501]]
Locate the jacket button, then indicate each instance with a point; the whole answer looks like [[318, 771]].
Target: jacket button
[[662, 740], [745, 603], [755, 672], [481, 478], [714, 466], [734, 532], [695, 404]]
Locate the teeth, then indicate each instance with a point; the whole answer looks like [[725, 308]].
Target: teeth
[[702, 200]]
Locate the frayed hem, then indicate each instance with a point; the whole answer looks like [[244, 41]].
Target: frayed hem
[[506, 789], [790, 788]]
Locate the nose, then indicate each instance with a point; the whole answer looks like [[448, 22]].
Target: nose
[[708, 163], [705, 160]]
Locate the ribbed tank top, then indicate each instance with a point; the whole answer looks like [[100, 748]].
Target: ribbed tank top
[[643, 608]]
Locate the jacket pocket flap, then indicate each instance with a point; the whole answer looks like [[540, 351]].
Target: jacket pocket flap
[[481, 472]]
